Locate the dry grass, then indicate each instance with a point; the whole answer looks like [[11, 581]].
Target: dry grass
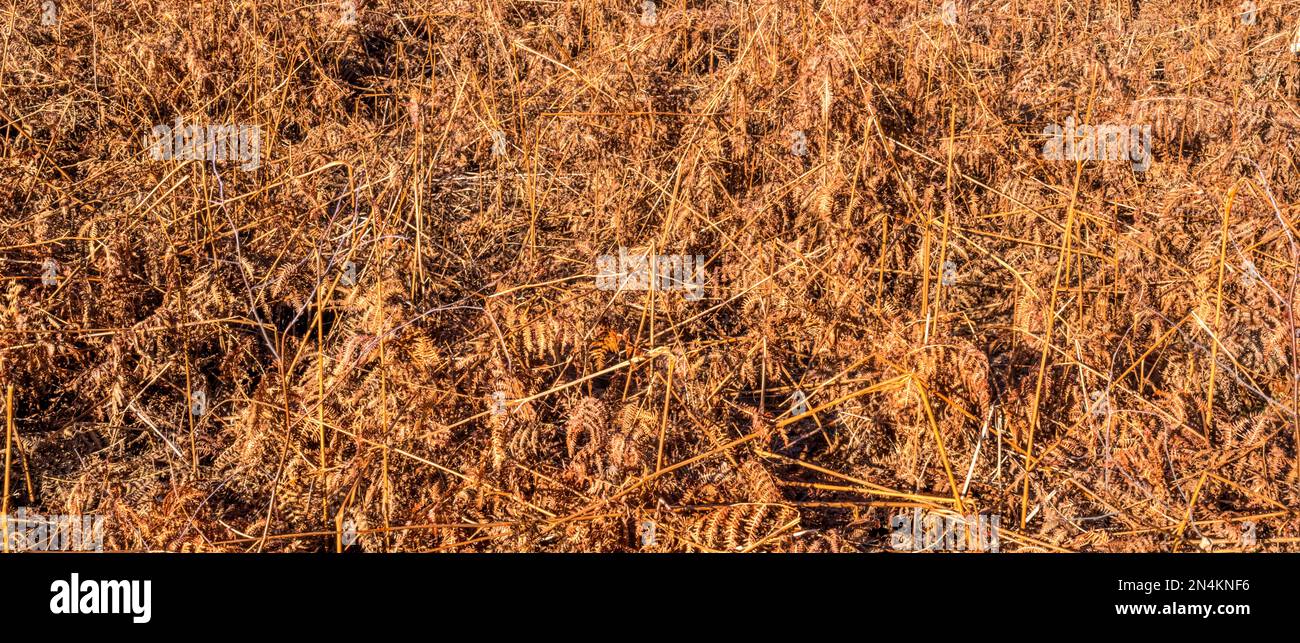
[[1101, 366]]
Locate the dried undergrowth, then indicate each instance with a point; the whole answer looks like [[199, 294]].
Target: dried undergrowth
[[1106, 354]]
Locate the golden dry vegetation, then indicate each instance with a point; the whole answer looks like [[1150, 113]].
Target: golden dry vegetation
[[906, 304]]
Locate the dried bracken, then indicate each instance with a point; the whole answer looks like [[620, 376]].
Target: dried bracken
[[388, 335]]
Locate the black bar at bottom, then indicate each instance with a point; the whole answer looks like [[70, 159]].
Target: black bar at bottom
[[552, 593]]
